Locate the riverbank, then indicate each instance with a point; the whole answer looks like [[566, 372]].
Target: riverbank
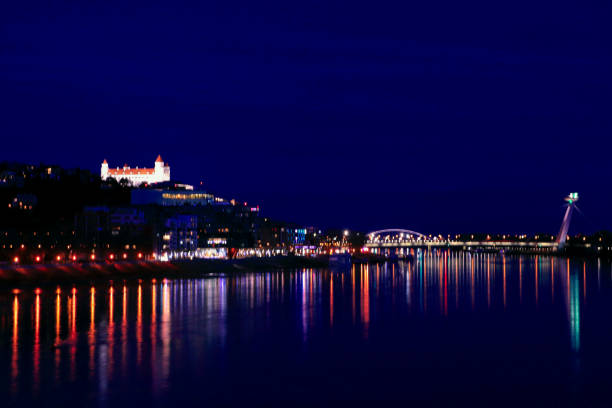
[[124, 270]]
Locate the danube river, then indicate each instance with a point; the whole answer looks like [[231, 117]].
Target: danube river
[[444, 329]]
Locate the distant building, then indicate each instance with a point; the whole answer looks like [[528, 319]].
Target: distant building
[[158, 174], [296, 235], [180, 234]]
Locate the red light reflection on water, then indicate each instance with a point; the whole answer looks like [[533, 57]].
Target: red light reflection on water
[[15, 345], [124, 325], [91, 335], [153, 332], [139, 326], [72, 306], [365, 299], [36, 349], [111, 331], [58, 326]]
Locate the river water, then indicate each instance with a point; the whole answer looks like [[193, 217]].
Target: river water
[[446, 329]]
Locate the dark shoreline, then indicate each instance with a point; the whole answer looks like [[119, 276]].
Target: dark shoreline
[[44, 275], [82, 273]]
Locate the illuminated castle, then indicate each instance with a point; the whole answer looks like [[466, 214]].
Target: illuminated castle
[[161, 172]]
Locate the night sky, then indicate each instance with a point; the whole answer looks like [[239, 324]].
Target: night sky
[[433, 116]]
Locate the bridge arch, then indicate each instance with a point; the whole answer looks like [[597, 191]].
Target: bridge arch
[[390, 231]]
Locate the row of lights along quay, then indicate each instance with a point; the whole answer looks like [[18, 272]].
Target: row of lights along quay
[[387, 246], [72, 258]]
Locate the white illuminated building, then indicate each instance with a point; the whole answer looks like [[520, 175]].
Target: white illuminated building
[[137, 176]]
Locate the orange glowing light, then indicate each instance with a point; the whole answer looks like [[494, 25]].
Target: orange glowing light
[[16, 259], [93, 256], [58, 290], [38, 259], [58, 258], [140, 255], [74, 257], [124, 256], [38, 291], [16, 291], [111, 256]]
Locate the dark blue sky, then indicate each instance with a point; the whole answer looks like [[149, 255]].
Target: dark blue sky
[[435, 116]]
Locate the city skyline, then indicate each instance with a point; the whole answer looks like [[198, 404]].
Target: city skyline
[[542, 215]]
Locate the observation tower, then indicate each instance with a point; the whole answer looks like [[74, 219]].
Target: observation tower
[[571, 200]]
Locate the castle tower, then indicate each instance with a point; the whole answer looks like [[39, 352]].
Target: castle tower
[[571, 203], [159, 168], [104, 170]]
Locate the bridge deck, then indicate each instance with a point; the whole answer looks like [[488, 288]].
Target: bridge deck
[[461, 244]]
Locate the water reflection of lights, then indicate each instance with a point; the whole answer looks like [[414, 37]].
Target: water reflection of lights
[[331, 300], [36, 349], [111, 330], [139, 326], [305, 305], [365, 298], [353, 298], [15, 346], [153, 328], [165, 335], [58, 307], [91, 335], [575, 313], [573, 288], [124, 326], [121, 334], [72, 313]]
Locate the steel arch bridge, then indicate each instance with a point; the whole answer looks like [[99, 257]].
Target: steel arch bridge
[[392, 231], [394, 242]]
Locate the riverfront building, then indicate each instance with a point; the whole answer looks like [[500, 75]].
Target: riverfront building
[[159, 173]]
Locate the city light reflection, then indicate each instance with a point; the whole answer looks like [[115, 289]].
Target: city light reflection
[[139, 326], [58, 307], [365, 298], [504, 278], [91, 335], [331, 300], [72, 310], [15, 345], [124, 327], [165, 333], [110, 342], [36, 348], [114, 342]]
